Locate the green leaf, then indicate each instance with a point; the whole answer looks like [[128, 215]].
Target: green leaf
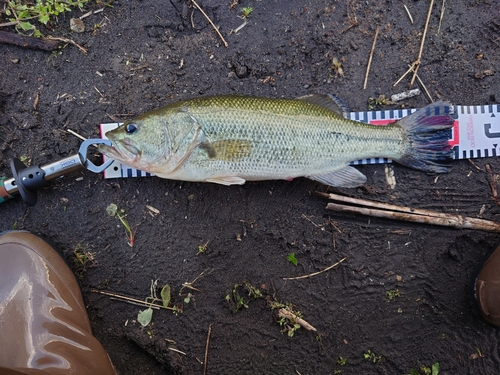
[[112, 209], [44, 18], [291, 258], [144, 317], [435, 369], [413, 372], [26, 25], [23, 15], [165, 295]]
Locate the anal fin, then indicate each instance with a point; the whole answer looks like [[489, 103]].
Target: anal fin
[[348, 177], [227, 180]]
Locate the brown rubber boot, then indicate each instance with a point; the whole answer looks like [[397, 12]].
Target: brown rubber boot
[[487, 290], [44, 328]]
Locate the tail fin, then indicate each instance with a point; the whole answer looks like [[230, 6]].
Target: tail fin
[[428, 132]]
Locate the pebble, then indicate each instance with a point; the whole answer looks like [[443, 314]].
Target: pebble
[[77, 25]]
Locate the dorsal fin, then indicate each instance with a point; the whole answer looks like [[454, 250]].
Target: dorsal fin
[[329, 101]]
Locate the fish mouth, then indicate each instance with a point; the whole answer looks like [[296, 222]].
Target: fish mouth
[[122, 150]]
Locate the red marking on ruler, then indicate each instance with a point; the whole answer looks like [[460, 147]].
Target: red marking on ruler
[[382, 122]]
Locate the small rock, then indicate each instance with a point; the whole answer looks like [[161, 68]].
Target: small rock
[[76, 25], [15, 61], [241, 71], [484, 73]]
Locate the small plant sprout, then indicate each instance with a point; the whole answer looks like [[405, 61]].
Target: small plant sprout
[[202, 248], [477, 354], [292, 259], [145, 316], [371, 356], [113, 211], [336, 67], [245, 12], [424, 370], [188, 298], [379, 101], [252, 290], [83, 260], [342, 361], [392, 294], [236, 301]]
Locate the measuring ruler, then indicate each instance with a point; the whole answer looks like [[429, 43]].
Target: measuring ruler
[[475, 134]]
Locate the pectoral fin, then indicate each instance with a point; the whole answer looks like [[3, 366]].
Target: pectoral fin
[[346, 177], [227, 180], [227, 150]]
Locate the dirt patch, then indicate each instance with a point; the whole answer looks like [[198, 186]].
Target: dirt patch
[[399, 301]]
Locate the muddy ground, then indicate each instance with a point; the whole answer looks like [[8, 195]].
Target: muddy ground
[[398, 302]]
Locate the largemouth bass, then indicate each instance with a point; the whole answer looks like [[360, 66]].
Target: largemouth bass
[[233, 139]]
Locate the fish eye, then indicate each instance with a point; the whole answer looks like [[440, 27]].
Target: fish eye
[[131, 128]]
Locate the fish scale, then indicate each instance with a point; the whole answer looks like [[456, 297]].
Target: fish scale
[[286, 140], [230, 139]]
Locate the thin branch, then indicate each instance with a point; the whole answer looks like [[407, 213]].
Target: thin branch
[[441, 16], [493, 185], [131, 300], [409, 14], [390, 211], [176, 350], [370, 58], [406, 73], [27, 41], [211, 23], [205, 360], [91, 13], [425, 88], [284, 313], [419, 58], [316, 273], [66, 40]]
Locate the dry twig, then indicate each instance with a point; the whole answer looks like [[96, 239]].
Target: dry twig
[[419, 58], [189, 285], [316, 273], [425, 88], [66, 40], [284, 313], [351, 16], [133, 301], [409, 14], [26, 41], [441, 16], [211, 23], [76, 134], [390, 211], [91, 13], [205, 361], [493, 185], [416, 64], [370, 59]]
